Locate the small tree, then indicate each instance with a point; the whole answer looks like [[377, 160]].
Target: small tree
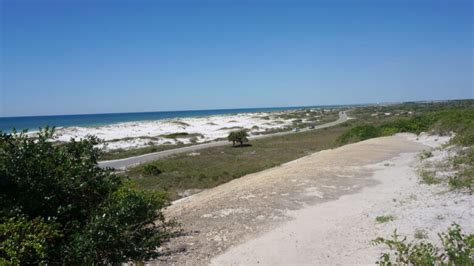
[[240, 136], [58, 207]]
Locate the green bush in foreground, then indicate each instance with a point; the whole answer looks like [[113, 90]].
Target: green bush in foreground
[[58, 207], [457, 249]]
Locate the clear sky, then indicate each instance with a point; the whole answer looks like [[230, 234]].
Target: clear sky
[[71, 56]]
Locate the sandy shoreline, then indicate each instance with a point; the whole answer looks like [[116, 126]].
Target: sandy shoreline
[[198, 129]]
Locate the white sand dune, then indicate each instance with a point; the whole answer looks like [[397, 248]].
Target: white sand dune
[[200, 129]]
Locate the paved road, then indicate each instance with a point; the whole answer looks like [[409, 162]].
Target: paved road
[[135, 160]]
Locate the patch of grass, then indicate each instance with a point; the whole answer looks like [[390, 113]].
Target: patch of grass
[[384, 218], [437, 118], [420, 234], [175, 135], [219, 165], [359, 133], [463, 163], [151, 169], [428, 177], [231, 128], [123, 153], [463, 179], [181, 123], [426, 154]]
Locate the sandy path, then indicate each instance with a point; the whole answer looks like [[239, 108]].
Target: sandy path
[[339, 232], [247, 208]]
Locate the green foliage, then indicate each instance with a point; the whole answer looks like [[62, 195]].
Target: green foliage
[[175, 135], [459, 120], [57, 194], [384, 218], [151, 169], [426, 154], [457, 250], [182, 173], [428, 177], [125, 227], [463, 162], [24, 241], [359, 133], [240, 136], [125, 153]]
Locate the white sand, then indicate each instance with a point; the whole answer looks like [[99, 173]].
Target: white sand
[[143, 133], [339, 232]]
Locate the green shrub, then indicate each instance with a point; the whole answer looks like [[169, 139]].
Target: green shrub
[[426, 154], [463, 179], [175, 135], [151, 169], [124, 227], [384, 218], [58, 206], [24, 241], [457, 250], [459, 120], [359, 133], [428, 177]]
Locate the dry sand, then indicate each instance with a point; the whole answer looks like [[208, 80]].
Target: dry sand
[[201, 129], [319, 209]]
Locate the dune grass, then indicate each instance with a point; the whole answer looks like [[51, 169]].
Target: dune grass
[[124, 153]]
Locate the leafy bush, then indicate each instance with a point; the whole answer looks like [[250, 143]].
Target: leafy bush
[[384, 218], [58, 206], [426, 154], [457, 250], [24, 241], [151, 169], [459, 120], [359, 133]]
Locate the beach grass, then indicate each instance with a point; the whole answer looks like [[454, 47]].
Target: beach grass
[[125, 153], [214, 166]]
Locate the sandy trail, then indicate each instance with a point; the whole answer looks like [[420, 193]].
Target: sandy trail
[[261, 207]]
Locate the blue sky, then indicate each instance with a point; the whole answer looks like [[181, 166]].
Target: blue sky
[[70, 57]]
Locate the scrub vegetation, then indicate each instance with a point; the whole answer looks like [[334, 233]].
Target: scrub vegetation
[[217, 165], [58, 207], [456, 249]]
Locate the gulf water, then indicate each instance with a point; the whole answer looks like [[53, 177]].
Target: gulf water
[[33, 123]]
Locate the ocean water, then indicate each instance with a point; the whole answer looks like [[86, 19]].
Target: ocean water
[[33, 123]]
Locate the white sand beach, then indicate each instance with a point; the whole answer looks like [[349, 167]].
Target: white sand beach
[[197, 129]]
